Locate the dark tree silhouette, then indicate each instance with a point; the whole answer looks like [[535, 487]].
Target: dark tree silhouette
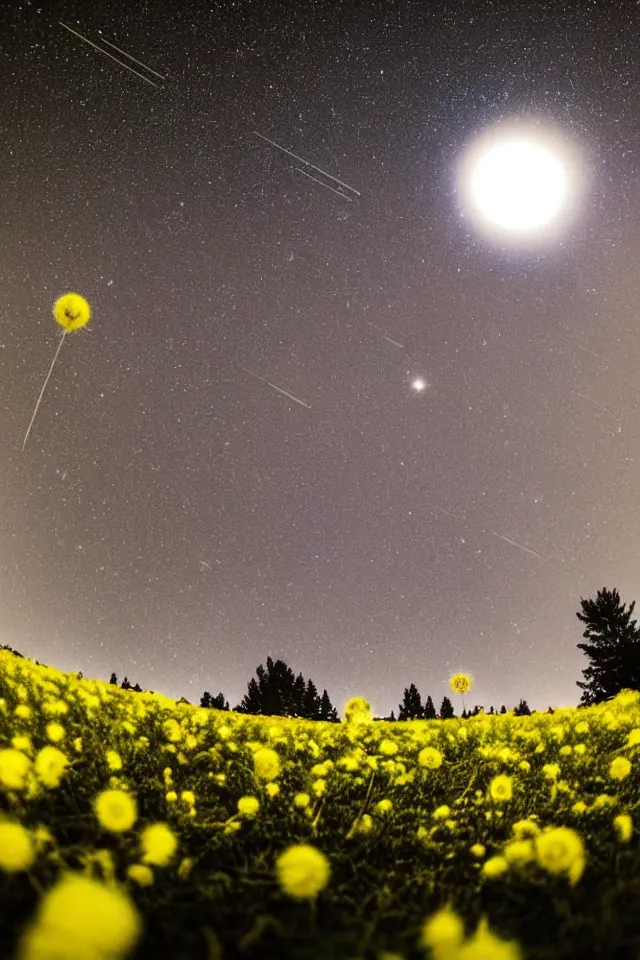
[[522, 710], [137, 688], [214, 703], [277, 692], [446, 709], [411, 707], [299, 694], [205, 700], [125, 685], [327, 711], [503, 709], [613, 648], [311, 703], [5, 646], [114, 679], [429, 712]]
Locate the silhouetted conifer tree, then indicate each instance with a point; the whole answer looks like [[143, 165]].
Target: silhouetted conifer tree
[[113, 679], [125, 685], [446, 709], [613, 648], [327, 711], [137, 688], [411, 707], [503, 709], [205, 699], [298, 696], [311, 704], [429, 712], [522, 710]]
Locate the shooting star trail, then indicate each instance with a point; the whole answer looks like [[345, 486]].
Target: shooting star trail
[[312, 165], [601, 406], [518, 545], [274, 387], [107, 54], [384, 336], [139, 62], [325, 185], [205, 564]]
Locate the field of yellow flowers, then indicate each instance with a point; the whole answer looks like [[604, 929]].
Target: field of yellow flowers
[[132, 826]]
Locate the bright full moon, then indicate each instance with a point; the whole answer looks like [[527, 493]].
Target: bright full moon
[[518, 185], [519, 182]]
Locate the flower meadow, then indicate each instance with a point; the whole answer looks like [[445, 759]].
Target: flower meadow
[[134, 826]]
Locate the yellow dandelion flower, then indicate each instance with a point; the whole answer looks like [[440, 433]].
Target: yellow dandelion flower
[[302, 871], [50, 765], [14, 767], [495, 867], [519, 852], [441, 813], [272, 789], [116, 810], [71, 311], [319, 787], [460, 683], [551, 771], [141, 874], [85, 918], [266, 764], [478, 850], [248, 806], [384, 806], [561, 850], [580, 749], [525, 829], [171, 796], [357, 710], [301, 800], [620, 768], [634, 737], [525, 766], [188, 797], [388, 747], [16, 848], [442, 934], [158, 843], [501, 788], [22, 742], [430, 758], [579, 807], [23, 711], [623, 825]]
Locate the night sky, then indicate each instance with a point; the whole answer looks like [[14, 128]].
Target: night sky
[[177, 519]]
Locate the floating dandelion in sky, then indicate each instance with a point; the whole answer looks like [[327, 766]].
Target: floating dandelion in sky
[[71, 311], [461, 683]]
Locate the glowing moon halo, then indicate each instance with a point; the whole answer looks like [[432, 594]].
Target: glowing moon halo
[[520, 183]]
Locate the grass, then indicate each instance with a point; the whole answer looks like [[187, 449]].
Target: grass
[[522, 826]]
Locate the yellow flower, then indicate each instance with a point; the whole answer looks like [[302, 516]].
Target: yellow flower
[[272, 789], [501, 788], [495, 866], [525, 829], [16, 848], [158, 843], [519, 852], [171, 796], [23, 711], [50, 765], [248, 806], [551, 771], [266, 764], [14, 767], [388, 747], [55, 732], [22, 742], [478, 850], [116, 810], [620, 768], [188, 797], [384, 806], [141, 874], [460, 683], [623, 825], [302, 871], [579, 807], [634, 737], [82, 918], [301, 800], [430, 758], [71, 311], [561, 850], [441, 813], [114, 760], [319, 787], [442, 934], [357, 710], [484, 944]]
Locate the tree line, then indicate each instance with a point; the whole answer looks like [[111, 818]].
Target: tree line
[[612, 648]]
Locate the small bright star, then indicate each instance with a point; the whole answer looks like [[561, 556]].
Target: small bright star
[[419, 384]]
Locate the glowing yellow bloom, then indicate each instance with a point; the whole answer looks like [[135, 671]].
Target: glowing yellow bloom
[[114, 760], [501, 788], [302, 871], [14, 767], [23, 711], [55, 732], [442, 934], [22, 742], [171, 796], [357, 710], [519, 852], [430, 758], [388, 748], [384, 806], [82, 918], [319, 787], [579, 807], [301, 800], [495, 867], [188, 797], [141, 874], [50, 765], [623, 825], [561, 850], [158, 843], [441, 813], [248, 806], [460, 683], [116, 810], [272, 789], [484, 944], [16, 848], [620, 768], [634, 737], [551, 771], [525, 829], [71, 311], [478, 850], [266, 764]]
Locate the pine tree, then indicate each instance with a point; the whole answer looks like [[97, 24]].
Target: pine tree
[[125, 685], [503, 709], [429, 712], [137, 688], [613, 648], [114, 679], [299, 693], [411, 707], [446, 709], [219, 702], [311, 703], [272, 694], [522, 710], [205, 699]]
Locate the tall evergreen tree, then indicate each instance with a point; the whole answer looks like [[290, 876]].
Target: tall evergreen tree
[[114, 679], [411, 707], [613, 647], [326, 709], [446, 709], [311, 703], [272, 694], [299, 694], [205, 699], [429, 712], [503, 709], [125, 685], [137, 688], [219, 702], [522, 710]]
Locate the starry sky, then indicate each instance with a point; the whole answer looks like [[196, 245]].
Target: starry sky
[[175, 517]]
